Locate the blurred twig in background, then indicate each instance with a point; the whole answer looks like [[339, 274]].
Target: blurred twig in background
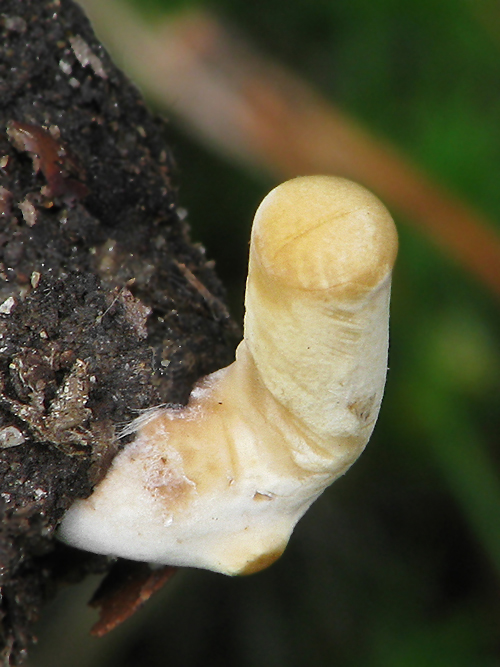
[[259, 113]]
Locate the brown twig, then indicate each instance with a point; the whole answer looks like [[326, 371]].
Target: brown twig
[[258, 113], [125, 590]]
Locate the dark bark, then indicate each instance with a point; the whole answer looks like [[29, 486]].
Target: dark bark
[[106, 307]]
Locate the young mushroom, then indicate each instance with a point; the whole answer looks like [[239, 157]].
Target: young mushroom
[[221, 483]]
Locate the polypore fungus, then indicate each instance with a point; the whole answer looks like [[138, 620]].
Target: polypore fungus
[[221, 483]]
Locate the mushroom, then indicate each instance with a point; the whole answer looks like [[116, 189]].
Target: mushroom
[[220, 483]]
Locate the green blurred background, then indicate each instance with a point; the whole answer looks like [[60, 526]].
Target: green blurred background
[[398, 564]]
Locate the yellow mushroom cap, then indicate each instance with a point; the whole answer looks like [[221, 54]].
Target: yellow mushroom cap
[[324, 233]]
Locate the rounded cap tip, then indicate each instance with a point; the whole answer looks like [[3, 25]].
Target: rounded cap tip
[[325, 233]]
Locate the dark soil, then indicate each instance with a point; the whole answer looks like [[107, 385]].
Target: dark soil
[[106, 307]]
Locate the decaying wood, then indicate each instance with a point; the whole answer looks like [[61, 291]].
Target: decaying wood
[[106, 307]]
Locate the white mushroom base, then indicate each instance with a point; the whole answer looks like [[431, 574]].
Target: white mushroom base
[[205, 487]]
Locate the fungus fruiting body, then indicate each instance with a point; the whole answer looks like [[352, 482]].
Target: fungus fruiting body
[[221, 483]]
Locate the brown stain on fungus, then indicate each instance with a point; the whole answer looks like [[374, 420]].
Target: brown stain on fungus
[[167, 483], [362, 408], [263, 561]]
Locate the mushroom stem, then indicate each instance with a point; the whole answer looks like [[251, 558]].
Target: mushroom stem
[[221, 483]]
